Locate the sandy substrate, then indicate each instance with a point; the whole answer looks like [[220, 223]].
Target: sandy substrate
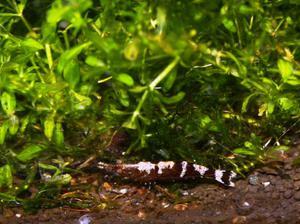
[[270, 194]]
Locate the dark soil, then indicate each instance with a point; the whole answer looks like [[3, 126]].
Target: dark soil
[[270, 194]]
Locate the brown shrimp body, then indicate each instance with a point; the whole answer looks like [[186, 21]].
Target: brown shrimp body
[[167, 171]]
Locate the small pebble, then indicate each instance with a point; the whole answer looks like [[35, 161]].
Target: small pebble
[[241, 184], [281, 188], [7, 213], [288, 185], [288, 194], [63, 24], [184, 193], [267, 214], [297, 185], [296, 176], [288, 166], [269, 170], [266, 183], [180, 207], [244, 210], [275, 195], [253, 179], [165, 205], [269, 188], [239, 220], [296, 207], [85, 219], [253, 189], [274, 180], [141, 215], [123, 191], [246, 204], [297, 196], [284, 204]]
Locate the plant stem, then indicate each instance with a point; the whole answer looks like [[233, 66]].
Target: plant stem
[[163, 74], [26, 24], [20, 14], [97, 30], [140, 105], [66, 39], [37, 71], [49, 56], [152, 86]]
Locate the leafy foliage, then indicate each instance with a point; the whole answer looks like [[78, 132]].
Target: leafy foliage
[[203, 81]]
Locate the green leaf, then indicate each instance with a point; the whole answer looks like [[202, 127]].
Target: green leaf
[[8, 102], [3, 131], [49, 125], [62, 179], [243, 151], [173, 99], [80, 102], [205, 120], [229, 25], [59, 134], [13, 124], [285, 69], [257, 84], [69, 55], [280, 148], [131, 52], [94, 61], [6, 176], [56, 14], [24, 123], [168, 83], [249, 145], [29, 152], [49, 167], [293, 80], [72, 73], [286, 103], [271, 107], [7, 197], [130, 124], [246, 101], [262, 109], [21, 6], [32, 44], [123, 97], [125, 78], [137, 89], [245, 10], [118, 112], [70, 10], [270, 82]]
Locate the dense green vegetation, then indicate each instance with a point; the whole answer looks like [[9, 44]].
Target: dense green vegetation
[[204, 81]]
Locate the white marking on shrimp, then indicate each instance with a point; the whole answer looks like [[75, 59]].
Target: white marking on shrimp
[[164, 165], [232, 175], [183, 166], [200, 169], [219, 175], [141, 166], [146, 166]]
